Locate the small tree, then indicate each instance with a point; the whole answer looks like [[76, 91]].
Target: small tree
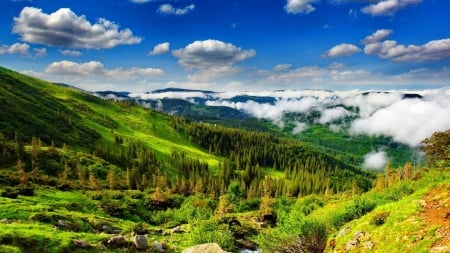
[[437, 149]]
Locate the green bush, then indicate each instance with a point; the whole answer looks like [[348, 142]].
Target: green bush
[[379, 218], [211, 231], [313, 235]]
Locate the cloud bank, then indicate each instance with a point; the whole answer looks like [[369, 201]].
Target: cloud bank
[[405, 120]]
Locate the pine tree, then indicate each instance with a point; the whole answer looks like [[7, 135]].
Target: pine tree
[[93, 184], [113, 180], [23, 178]]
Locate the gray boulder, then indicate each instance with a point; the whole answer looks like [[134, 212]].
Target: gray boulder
[[140, 241], [205, 248]]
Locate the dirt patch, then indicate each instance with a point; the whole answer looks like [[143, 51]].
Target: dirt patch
[[436, 214]]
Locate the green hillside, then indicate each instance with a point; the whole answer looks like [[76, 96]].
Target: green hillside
[[83, 174]]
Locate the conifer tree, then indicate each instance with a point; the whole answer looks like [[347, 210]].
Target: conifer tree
[[23, 178]]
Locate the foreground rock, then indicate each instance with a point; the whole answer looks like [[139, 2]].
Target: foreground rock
[[140, 241], [205, 248]]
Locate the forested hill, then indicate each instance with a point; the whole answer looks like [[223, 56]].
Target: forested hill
[[57, 130]]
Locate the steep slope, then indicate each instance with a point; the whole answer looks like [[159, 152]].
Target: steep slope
[[28, 110]]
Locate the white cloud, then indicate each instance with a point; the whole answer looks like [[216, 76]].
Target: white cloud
[[94, 68], [407, 121], [169, 9], [299, 6], [377, 36], [299, 127], [375, 160], [73, 53], [211, 59], [389, 49], [343, 49], [332, 114], [161, 48], [16, 48], [269, 111], [211, 53], [64, 28], [387, 7], [23, 49], [371, 102]]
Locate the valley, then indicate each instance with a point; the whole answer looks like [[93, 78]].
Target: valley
[[111, 172]]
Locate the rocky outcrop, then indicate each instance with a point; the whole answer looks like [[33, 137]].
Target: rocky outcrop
[[205, 248]]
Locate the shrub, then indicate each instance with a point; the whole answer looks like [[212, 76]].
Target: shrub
[[210, 231], [379, 218], [313, 236]]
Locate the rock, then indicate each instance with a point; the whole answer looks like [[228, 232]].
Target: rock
[[358, 234], [440, 249], [117, 241], [177, 229], [111, 230], [140, 241], [369, 245], [205, 248], [80, 243], [64, 225], [344, 231], [244, 244], [159, 247], [5, 221], [351, 245], [422, 203]]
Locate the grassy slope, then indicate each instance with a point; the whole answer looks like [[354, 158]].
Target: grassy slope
[[130, 122]]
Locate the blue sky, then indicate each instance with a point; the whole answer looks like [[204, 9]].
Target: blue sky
[[142, 45]]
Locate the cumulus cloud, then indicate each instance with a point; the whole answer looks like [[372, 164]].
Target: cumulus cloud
[[23, 49], [377, 36], [162, 48], [73, 53], [406, 121], [94, 68], [387, 7], [16, 48], [299, 6], [343, 49], [389, 49], [169, 9], [211, 58], [64, 28], [333, 114], [375, 160]]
